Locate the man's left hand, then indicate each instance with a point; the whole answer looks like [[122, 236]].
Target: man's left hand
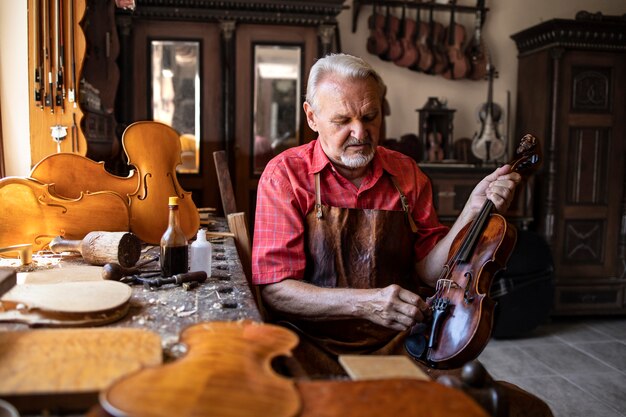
[[499, 187]]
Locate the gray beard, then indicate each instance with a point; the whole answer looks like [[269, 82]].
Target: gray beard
[[357, 161]]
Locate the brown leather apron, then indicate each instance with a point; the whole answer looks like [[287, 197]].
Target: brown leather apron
[[356, 248]]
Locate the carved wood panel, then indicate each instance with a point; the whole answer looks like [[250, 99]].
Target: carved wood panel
[[584, 241], [591, 89], [587, 174]]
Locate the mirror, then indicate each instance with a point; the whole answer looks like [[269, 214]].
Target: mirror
[[176, 95], [276, 101]]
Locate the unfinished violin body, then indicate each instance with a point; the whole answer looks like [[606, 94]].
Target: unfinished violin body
[[154, 150], [74, 174], [226, 372], [32, 213]]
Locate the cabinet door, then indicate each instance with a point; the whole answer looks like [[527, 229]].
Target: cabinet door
[[590, 153], [261, 112]]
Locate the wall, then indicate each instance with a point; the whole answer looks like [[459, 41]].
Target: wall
[[407, 90], [14, 86]]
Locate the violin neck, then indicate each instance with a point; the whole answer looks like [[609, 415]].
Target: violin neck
[[469, 242]]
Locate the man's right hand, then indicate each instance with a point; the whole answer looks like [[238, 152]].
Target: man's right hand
[[395, 308], [392, 306]]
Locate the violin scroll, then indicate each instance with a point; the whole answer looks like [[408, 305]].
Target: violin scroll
[[528, 156]]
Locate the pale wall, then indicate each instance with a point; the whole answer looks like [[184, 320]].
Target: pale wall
[[14, 86], [407, 90]]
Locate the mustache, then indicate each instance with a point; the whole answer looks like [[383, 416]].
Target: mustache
[[352, 141]]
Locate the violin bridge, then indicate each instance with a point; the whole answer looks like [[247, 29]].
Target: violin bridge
[[445, 284]]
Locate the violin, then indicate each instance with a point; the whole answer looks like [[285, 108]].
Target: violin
[[376, 42], [408, 37], [32, 213], [392, 26], [435, 40], [459, 65], [426, 58], [462, 311], [145, 191], [476, 51], [488, 144]]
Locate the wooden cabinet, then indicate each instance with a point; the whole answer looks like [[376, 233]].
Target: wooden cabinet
[[452, 185], [571, 84]]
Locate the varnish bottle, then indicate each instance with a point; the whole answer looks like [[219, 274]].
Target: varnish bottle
[[174, 251]]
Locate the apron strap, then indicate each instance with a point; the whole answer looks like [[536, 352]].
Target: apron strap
[[405, 205], [318, 197]]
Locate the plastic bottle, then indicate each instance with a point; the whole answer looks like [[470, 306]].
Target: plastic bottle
[[174, 250], [200, 254]]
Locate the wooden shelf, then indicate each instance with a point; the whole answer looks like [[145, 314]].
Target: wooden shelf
[[415, 4]]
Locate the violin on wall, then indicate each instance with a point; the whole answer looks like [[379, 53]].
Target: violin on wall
[[488, 144], [458, 64], [476, 50], [462, 317], [377, 43]]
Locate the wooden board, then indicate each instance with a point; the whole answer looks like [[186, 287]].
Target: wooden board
[[69, 297], [365, 367], [386, 397], [67, 368]]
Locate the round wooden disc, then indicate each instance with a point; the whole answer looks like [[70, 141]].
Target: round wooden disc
[[70, 297]]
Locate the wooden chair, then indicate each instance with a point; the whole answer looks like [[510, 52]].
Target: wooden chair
[[237, 223]]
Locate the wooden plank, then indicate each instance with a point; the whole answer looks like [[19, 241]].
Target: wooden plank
[[224, 182], [66, 368], [367, 367]]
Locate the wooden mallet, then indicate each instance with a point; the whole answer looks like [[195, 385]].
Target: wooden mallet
[[100, 248]]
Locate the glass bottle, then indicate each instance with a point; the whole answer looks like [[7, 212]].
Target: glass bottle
[[174, 251]]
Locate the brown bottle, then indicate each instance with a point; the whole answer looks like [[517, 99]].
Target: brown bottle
[[174, 252]]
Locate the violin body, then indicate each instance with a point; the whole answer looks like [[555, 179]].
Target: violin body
[[153, 148], [226, 372], [410, 54], [426, 58], [471, 307], [440, 59], [74, 174], [459, 65], [395, 46], [462, 311], [377, 43], [33, 213], [145, 191], [476, 51]]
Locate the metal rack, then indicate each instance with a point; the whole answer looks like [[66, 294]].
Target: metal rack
[[417, 4]]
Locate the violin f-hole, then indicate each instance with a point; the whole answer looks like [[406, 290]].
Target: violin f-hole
[[466, 296]]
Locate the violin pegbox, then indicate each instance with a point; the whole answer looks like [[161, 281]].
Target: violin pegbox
[[527, 156]]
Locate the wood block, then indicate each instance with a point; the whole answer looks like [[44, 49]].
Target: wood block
[[366, 367]]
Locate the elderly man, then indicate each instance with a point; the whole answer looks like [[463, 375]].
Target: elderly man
[[346, 232]]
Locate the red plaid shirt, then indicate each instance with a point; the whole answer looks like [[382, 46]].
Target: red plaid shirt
[[286, 194]]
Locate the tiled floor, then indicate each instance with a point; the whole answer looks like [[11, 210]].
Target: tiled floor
[[577, 366]]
